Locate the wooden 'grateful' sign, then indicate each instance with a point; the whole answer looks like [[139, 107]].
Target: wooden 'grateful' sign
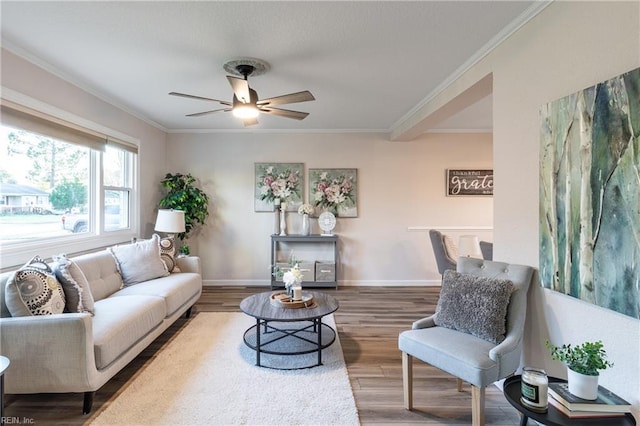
[[469, 182]]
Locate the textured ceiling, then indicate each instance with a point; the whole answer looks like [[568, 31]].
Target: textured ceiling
[[368, 64]]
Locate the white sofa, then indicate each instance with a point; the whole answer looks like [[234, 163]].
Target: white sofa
[[78, 352]]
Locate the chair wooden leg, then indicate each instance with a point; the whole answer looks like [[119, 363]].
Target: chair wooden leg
[[459, 385], [407, 380], [477, 405]]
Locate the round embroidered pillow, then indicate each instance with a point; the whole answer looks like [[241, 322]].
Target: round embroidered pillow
[[34, 290]]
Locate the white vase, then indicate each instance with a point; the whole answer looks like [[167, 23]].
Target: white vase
[[283, 223], [581, 385], [276, 221], [305, 225]]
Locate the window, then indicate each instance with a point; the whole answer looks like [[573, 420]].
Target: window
[[63, 188]]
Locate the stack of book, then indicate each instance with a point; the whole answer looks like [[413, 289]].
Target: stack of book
[[608, 404]]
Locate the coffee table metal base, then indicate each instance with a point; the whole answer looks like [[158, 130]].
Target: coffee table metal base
[[289, 339]]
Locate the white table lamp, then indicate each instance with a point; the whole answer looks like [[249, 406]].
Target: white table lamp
[[170, 221], [469, 246]]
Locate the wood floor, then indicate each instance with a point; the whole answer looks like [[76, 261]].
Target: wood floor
[[369, 320]]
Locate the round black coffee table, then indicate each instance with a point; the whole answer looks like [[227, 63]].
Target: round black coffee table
[[289, 331], [553, 417]]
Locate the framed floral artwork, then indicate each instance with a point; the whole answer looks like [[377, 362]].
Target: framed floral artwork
[[334, 190], [277, 182]]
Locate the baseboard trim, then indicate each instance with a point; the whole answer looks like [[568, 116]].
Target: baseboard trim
[[343, 283]]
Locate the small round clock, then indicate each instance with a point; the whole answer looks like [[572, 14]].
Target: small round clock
[[327, 221]]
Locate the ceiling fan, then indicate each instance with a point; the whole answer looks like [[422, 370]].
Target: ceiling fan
[[246, 105]]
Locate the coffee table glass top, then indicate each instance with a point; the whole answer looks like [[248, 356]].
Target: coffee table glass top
[[259, 306]]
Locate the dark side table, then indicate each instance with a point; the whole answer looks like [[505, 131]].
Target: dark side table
[[553, 417]]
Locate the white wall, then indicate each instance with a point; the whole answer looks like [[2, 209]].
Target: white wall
[[32, 81], [400, 185], [568, 47]]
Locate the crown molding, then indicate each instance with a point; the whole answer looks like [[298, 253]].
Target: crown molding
[[494, 42], [29, 57]]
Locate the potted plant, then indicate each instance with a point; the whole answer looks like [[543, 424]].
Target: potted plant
[[182, 194], [583, 362]]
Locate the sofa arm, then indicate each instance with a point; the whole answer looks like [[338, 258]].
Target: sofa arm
[[189, 264], [52, 353]]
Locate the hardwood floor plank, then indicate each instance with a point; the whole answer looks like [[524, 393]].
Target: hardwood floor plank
[[368, 321]]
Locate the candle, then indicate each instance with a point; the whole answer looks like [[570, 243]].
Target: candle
[[535, 388], [297, 292]]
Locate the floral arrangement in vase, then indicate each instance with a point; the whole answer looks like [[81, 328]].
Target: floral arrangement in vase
[[279, 184], [331, 192], [305, 209], [291, 278]]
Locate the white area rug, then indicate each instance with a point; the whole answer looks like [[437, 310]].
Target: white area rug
[[207, 376]]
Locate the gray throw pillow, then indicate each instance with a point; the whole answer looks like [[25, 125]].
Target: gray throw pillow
[[474, 305], [34, 290], [140, 261], [75, 285]]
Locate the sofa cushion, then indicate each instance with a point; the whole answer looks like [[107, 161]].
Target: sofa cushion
[[475, 305], [140, 261], [34, 290], [175, 290], [76, 287], [120, 322], [101, 272]]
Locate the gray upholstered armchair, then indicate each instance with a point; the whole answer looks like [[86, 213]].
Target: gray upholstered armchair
[[475, 360], [444, 259]]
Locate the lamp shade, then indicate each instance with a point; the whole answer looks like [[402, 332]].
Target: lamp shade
[[170, 221], [469, 246]]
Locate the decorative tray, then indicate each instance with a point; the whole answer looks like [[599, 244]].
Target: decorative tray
[[283, 300]]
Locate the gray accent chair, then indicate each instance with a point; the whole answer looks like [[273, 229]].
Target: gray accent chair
[[443, 259], [462, 355]]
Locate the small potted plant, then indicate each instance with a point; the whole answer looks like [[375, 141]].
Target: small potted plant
[[583, 363]]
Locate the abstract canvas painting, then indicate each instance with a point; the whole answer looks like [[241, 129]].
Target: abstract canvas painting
[[590, 194]]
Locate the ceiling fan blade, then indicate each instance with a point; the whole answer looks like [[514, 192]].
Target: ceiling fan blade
[[249, 122], [198, 114], [297, 115], [240, 88], [288, 99], [184, 95]]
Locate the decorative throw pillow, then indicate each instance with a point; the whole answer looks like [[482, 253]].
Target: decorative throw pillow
[[168, 253], [474, 305], [34, 290], [140, 261], [75, 285]]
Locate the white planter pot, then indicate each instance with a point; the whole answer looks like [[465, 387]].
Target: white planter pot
[[581, 385]]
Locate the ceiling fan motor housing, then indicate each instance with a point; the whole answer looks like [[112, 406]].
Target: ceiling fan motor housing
[[253, 98]]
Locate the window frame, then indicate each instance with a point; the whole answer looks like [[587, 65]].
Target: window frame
[[18, 253]]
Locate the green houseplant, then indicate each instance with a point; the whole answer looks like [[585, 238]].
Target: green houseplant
[[583, 363], [183, 194]]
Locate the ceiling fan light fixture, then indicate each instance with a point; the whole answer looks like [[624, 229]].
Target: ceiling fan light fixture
[[245, 111]]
